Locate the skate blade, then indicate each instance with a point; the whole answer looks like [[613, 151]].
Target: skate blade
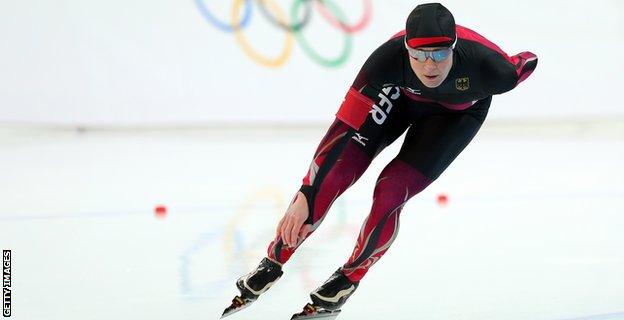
[[313, 312], [237, 305], [330, 316]]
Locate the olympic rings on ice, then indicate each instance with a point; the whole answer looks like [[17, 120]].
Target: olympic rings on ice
[[293, 25]]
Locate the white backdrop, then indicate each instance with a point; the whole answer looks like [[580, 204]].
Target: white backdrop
[[164, 63]]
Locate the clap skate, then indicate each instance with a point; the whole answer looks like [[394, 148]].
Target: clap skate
[[252, 285], [328, 298]]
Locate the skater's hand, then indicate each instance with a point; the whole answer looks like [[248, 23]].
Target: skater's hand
[[291, 228]]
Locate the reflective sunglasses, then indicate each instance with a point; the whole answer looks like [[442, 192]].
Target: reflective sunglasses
[[435, 55]]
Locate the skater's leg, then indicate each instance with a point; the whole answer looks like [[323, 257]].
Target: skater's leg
[[397, 183], [337, 164], [357, 135], [355, 138], [339, 161], [431, 144]]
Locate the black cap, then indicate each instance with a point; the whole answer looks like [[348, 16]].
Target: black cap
[[430, 25]]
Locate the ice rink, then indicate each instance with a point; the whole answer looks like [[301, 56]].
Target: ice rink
[[533, 229]]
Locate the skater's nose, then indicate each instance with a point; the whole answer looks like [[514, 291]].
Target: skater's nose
[[429, 65]]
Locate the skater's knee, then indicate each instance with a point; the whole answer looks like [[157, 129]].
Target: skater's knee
[[398, 182]]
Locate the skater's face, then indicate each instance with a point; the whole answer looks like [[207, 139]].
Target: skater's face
[[432, 73]]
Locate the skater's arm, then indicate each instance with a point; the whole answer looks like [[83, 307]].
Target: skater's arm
[[504, 73], [499, 71], [326, 179], [290, 227]]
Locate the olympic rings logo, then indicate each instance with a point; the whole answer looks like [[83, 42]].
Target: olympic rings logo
[[241, 14]]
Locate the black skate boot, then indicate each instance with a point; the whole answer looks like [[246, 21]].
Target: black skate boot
[[252, 285], [328, 298]]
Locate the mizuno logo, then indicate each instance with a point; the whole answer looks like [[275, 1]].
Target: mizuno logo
[[414, 91], [360, 138]]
